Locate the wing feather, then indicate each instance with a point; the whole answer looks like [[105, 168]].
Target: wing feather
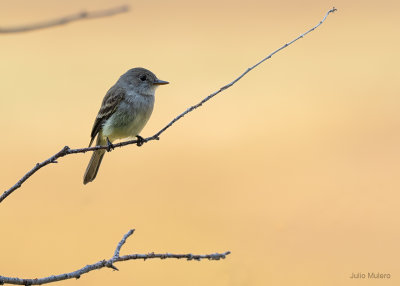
[[110, 103]]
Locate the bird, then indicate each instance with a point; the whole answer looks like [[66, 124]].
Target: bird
[[125, 110]]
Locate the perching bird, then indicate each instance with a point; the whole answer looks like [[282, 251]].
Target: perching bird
[[124, 112]]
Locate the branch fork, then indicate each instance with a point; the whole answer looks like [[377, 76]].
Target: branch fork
[[109, 264]]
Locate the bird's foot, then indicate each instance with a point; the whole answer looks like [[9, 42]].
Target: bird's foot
[[110, 146], [140, 140]]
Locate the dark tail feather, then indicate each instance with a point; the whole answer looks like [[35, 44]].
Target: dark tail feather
[[94, 163]]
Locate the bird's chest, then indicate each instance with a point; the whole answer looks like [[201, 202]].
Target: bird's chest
[[131, 116]]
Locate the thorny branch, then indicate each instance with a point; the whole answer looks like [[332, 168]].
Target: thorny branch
[[65, 20], [109, 263], [67, 151]]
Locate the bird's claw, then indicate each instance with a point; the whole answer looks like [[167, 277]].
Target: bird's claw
[[140, 140], [110, 146]]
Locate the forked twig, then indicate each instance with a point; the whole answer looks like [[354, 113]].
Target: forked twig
[[110, 264]]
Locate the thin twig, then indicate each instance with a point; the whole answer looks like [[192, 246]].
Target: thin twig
[[67, 151], [65, 20], [122, 242], [109, 263]]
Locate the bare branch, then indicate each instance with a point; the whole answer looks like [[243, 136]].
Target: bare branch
[[67, 151], [109, 263], [65, 20], [122, 242]]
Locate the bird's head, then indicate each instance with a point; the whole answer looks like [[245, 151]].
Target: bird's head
[[142, 80]]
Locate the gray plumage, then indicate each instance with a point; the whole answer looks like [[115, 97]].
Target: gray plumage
[[124, 112]]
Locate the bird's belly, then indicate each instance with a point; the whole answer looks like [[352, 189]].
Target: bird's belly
[[136, 125], [126, 122]]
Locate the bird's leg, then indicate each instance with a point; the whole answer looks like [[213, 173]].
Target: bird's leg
[[140, 140], [110, 146]]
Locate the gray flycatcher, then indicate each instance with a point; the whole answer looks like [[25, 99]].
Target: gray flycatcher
[[124, 112]]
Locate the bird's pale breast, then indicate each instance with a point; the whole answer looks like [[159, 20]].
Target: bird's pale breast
[[130, 117]]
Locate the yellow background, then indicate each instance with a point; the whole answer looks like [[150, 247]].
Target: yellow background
[[295, 169]]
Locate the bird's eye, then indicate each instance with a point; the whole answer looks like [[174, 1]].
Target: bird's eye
[[143, 77]]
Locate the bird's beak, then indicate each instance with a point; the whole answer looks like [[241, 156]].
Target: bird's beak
[[160, 82]]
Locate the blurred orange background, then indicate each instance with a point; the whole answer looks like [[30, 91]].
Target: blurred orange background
[[295, 169]]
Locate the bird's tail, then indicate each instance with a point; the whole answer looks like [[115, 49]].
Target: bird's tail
[[95, 161]]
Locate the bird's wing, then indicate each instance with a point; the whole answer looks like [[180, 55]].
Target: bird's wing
[[109, 105]]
